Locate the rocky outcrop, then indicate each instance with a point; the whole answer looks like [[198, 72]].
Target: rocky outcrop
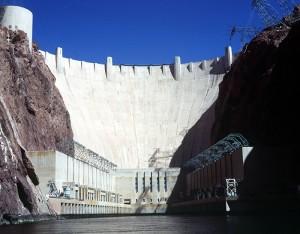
[[33, 117]]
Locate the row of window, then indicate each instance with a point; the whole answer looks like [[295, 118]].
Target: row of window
[[150, 183]]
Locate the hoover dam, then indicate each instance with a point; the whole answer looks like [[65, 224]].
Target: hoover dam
[[136, 116], [127, 121], [106, 138]]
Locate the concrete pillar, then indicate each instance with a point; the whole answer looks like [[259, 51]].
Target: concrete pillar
[[191, 67], [147, 180], [59, 60], [246, 152], [98, 179], [204, 65], [155, 183], [140, 182], [106, 182], [109, 182], [88, 175], [161, 183], [177, 68], [109, 67], [81, 173], [94, 177], [164, 70], [228, 58]]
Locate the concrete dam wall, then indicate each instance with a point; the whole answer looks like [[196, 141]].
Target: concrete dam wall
[[136, 116]]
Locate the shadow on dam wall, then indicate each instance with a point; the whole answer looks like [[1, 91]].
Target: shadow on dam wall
[[197, 139]]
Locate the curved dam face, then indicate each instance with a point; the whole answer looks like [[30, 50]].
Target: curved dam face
[[135, 116]]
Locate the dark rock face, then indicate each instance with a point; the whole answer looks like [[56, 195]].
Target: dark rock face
[[258, 97], [28, 89], [33, 117]]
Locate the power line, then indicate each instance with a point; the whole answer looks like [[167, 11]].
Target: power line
[[266, 11]]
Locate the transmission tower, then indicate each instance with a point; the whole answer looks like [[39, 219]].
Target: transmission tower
[[265, 11]]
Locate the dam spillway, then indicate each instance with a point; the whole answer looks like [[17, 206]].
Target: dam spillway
[[136, 116]]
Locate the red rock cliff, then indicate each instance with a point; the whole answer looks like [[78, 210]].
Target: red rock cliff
[[33, 117]]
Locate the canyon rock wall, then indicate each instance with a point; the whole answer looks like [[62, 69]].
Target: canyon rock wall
[[32, 118], [258, 97]]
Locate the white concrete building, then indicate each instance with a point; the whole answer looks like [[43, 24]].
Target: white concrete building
[[83, 187], [146, 190]]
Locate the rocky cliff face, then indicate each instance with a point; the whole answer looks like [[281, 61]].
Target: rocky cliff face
[[259, 96], [33, 117]]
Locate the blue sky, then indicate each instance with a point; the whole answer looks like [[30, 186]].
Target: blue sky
[[137, 31]]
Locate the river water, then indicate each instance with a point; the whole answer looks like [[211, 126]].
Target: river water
[[164, 224]]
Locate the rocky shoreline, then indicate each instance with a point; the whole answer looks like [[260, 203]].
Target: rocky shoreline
[[21, 219]]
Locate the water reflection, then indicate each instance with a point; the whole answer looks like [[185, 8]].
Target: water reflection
[[164, 224]]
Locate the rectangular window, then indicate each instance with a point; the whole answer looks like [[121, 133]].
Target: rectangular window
[[144, 182], [151, 183], [136, 183], [158, 187], [165, 182]]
